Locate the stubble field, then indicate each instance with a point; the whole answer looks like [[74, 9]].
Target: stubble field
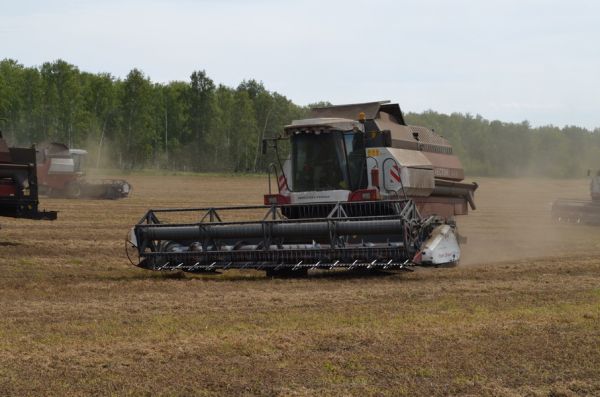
[[519, 316]]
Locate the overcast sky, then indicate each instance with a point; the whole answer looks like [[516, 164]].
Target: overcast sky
[[510, 60]]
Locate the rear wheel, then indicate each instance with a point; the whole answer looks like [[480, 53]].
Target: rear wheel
[[73, 190], [111, 193]]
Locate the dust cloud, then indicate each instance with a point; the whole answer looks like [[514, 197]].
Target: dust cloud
[[100, 156], [512, 222]]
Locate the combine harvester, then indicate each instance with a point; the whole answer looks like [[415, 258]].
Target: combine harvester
[[62, 174], [580, 211], [18, 184], [360, 189]]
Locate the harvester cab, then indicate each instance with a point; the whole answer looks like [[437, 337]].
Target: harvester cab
[[327, 162], [377, 156], [78, 156], [359, 189]]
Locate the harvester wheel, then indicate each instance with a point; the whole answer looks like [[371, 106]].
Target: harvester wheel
[[73, 190], [109, 193]]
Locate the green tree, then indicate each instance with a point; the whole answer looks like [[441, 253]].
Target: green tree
[[195, 125], [137, 133], [221, 137], [175, 123], [61, 101], [245, 130], [11, 76], [100, 107], [200, 101]]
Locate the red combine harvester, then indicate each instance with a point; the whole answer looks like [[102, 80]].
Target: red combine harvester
[[62, 174], [19, 185], [360, 189]]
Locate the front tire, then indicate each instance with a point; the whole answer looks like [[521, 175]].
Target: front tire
[[73, 190]]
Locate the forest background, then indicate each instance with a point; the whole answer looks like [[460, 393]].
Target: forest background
[[198, 125]]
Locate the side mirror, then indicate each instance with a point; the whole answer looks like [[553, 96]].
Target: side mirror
[[387, 138]]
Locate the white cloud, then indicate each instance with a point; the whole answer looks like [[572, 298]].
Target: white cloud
[[503, 59]]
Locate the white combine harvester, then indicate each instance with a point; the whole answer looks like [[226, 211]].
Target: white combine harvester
[[360, 189]]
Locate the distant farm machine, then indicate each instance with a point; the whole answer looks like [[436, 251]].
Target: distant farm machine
[[18, 184], [360, 189], [62, 174], [580, 211]]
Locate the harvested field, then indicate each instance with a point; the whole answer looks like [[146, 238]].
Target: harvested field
[[519, 316]]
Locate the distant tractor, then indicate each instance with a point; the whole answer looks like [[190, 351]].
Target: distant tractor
[[62, 174], [18, 184], [580, 211]]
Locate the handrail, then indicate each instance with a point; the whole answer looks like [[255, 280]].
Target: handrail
[[274, 167]]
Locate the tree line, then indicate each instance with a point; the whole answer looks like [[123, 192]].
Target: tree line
[[135, 123], [495, 148], [197, 125]]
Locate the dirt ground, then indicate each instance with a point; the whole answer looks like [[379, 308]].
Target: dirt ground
[[519, 316]]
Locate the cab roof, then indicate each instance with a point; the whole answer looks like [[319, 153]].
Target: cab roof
[[323, 124], [78, 151], [351, 111]]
